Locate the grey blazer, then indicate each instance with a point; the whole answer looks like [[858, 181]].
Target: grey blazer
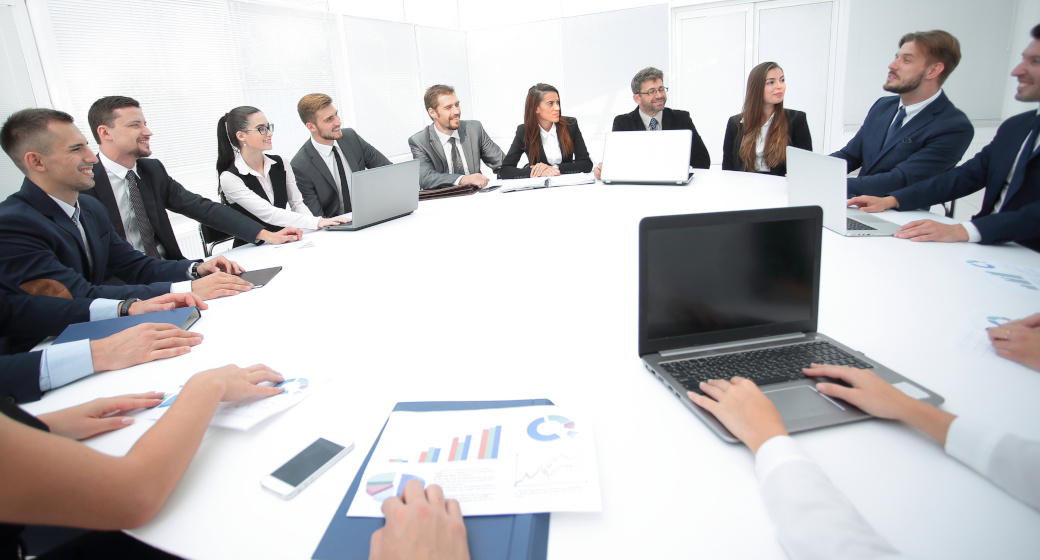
[[433, 166], [314, 179]]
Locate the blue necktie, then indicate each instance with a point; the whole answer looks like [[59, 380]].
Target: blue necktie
[[1019, 176], [653, 123], [896, 124]]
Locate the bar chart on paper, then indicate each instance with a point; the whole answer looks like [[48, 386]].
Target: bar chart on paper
[[1016, 279]]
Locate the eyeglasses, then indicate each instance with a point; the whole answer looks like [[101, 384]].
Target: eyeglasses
[[261, 128], [653, 92]]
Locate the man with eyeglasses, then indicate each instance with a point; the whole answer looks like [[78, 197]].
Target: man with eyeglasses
[[649, 92], [137, 191]]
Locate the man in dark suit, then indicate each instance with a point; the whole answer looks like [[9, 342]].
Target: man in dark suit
[[324, 163], [917, 134], [649, 93], [450, 149], [60, 244], [1008, 168], [119, 127]]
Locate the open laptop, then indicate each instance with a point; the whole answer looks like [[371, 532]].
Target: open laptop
[[719, 292], [819, 180], [661, 157], [381, 194]]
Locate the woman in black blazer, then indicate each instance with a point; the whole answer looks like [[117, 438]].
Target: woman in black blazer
[[761, 148], [564, 150]]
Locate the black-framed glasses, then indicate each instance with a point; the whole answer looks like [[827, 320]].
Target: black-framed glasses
[[261, 128], [653, 92]]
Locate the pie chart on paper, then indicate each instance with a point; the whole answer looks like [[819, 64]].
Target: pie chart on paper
[[386, 485]]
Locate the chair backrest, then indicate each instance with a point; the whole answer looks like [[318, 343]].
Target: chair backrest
[[211, 237]]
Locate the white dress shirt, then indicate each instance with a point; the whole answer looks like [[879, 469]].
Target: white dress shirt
[[646, 119], [330, 160], [815, 520], [760, 145], [551, 145], [117, 178], [236, 191], [913, 110], [446, 146]]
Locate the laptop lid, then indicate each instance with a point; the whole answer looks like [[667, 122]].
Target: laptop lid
[[641, 156], [817, 179], [383, 193]]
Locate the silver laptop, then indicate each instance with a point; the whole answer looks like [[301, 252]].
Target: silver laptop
[[737, 293], [661, 157], [819, 180], [381, 194]]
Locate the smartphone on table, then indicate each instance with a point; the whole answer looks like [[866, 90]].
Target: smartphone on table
[[297, 473]]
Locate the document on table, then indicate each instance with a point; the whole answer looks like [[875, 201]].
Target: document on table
[[512, 185], [529, 459], [243, 415], [1017, 279], [972, 338]]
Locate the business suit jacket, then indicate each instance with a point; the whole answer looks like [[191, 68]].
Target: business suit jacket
[[1019, 218], [42, 252], [576, 162], [931, 143], [671, 119], [797, 136], [35, 317], [160, 192], [477, 146], [314, 179]]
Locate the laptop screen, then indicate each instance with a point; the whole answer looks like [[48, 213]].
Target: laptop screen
[[729, 276]]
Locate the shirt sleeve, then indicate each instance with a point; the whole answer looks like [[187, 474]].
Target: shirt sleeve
[[973, 232], [104, 309], [1007, 460], [180, 287], [237, 192], [64, 363], [813, 519]]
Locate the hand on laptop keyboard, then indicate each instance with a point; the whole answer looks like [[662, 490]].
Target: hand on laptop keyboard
[[742, 408]]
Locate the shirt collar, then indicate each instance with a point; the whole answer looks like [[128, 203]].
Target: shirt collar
[[646, 118], [114, 168], [65, 206], [244, 168], [444, 137], [912, 110], [547, 134], [324, 150]]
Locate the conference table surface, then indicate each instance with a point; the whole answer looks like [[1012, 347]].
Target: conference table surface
[[534, 295]]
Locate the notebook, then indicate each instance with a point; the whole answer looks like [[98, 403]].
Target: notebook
[[182, 318], [819, 180], [382, 194], [727, 286], [660, 157], [260, 278]]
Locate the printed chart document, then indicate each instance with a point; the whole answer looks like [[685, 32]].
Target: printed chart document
[[972, 337], [493, 461], [243, 415], [1017, 279]]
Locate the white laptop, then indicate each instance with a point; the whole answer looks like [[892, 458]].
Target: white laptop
[[661, 157], [819, 180], [381, 194]]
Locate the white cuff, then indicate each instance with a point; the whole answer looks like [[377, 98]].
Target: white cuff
[[972, 443], [973, 232], [180, 287]]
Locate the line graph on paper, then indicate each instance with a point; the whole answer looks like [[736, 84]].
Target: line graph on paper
[[560, 470]]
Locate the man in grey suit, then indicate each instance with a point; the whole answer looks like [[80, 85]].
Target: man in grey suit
[[442, 162], [324, 163]]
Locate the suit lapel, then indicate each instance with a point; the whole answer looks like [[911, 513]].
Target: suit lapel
[[319, 163], [436, 150], [104, 192], [43, 203], [920, 120], [146, 186], [470, 148], [353, 157], [1026, 129]]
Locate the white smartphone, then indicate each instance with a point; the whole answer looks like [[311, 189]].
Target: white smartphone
[[297, 473]]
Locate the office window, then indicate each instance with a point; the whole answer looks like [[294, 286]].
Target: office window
[[16, 81]]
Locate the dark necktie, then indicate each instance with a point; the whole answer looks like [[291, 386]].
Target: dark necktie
[[82, 235], [456, 158], [653, 123], [896, 124], [1019, 176], [144, 227], [342, 182]]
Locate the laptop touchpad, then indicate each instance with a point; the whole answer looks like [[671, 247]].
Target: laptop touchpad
[[798, 403]]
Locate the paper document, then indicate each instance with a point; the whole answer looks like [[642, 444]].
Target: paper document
[[972, 338], [498, 461], [512, 185], [1017, 279]]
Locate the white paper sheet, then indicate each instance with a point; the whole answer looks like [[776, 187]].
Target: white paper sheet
[[529, 459], [1016, 279]]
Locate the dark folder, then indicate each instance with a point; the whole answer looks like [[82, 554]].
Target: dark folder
[[183, 318], [491, 537]]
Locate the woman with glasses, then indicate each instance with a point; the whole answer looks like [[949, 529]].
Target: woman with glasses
[[757, 137], [260, 186], [552, 142]]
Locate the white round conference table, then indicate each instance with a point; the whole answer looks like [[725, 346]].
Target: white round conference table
[[534, 295]]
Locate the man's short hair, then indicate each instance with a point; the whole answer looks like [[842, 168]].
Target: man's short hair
[[646, 74], [937, 46], [433, 92], [103, 112], [1035, 32], [310, 104], [26, 131]]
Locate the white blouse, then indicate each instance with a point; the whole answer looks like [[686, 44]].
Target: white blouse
[[236, 191]]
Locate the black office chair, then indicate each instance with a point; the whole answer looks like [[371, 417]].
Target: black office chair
[[949, 209], [212, 237]]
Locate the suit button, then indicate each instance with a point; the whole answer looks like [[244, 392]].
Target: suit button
[[9, 399]]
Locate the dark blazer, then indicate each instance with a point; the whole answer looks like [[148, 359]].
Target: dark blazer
[[1019, 218], [314, 179], [33, 317], [577, 162], [160, 192], [43, 246], [932, 142], [671, 119], [477, 146], [797, 136]]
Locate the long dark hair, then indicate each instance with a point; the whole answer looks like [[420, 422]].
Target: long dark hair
[[233, 121], [754, 117], [531, 135]]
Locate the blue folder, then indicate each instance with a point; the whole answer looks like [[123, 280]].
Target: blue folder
[[491, 537], [183, 318]]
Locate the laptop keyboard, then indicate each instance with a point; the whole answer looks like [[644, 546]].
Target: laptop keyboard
[[770, 365], [853, 224]]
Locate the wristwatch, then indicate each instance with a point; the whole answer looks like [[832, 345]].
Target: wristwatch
[[124, 307], [193, 271]]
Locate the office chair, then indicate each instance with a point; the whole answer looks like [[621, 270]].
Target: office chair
[[211, 238]]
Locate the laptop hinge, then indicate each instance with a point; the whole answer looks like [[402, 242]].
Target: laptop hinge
[[766, 340]]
